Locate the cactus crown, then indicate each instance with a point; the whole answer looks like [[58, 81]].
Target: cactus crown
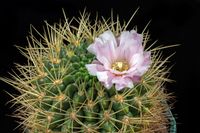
[[58, 95]]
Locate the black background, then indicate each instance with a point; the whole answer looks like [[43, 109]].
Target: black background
[[173, 22]]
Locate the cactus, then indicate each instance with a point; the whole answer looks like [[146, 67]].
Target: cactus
[[59, 95]]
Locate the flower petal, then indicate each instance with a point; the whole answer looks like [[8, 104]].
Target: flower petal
[[104, 47], [136, 79], [94, 68], [108, 36], [105, 41], [140, 62], [130, 43], [96, 62], [131, 35], [105, 77], [147, 58], [106, 63], [136, 36], [122, 82], [136, 60]]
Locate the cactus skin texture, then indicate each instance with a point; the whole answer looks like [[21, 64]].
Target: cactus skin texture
[[57, 94]]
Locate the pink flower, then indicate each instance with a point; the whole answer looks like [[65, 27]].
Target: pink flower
[[120, 60]]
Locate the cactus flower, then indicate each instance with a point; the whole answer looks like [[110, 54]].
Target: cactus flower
[[120, 61]]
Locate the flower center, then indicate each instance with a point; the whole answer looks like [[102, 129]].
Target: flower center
[[120, 66]]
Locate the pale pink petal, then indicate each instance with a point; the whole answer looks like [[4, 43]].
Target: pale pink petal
[[96, 62], [102, 76], [94, 68], [108, 85], [108, 36], [106, 63], [133, 73], [142, 69], [147, 58], [136, 79], [138, 37], [105, 46], [119, 87], [130, 43], [121, 82], [140, 62], [92, 48], [107, 50], [104, 38], [125, 35], [130, 35], [105, 77], [136, 60], [146, 63]]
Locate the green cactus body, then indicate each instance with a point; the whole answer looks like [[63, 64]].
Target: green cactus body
[[58, 95]]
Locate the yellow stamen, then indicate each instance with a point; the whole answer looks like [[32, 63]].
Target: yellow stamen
[[120, 66]]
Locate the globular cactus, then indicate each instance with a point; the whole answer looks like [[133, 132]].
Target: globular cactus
[[59, 93]]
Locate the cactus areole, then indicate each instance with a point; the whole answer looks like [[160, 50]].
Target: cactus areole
[[95, 78]]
